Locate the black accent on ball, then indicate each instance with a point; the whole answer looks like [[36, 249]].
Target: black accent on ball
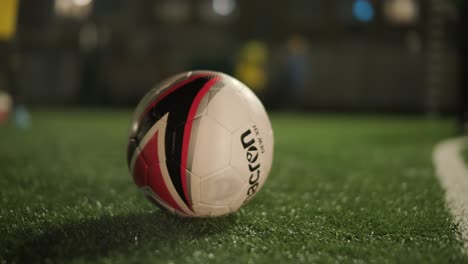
[[177, 104]]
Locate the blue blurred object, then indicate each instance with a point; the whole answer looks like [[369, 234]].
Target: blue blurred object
[[363, 11], [22, 117]]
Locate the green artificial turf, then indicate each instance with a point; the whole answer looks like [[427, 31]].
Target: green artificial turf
[[342, 189]]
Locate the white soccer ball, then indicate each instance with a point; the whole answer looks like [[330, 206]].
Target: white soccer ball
[[201, 144]]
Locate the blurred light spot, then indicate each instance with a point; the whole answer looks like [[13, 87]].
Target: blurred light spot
[[73, 8], [81, 2], [363, 10], [401, 11], [224, 7]]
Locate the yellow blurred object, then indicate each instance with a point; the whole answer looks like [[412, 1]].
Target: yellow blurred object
[[252, 76], [251, 65], [8, 15]]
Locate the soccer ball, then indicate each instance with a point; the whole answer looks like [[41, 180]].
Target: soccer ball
[[200, 144]]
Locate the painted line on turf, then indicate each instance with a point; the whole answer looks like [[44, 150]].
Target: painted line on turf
[[453, 176]]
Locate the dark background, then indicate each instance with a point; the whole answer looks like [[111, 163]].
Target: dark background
[[110, 52]]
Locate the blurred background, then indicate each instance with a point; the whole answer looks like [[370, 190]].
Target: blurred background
[[324, 55]]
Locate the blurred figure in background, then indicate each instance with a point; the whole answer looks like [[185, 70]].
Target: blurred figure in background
[[7, 80], [297, 71], [9, 64], [251, 66]]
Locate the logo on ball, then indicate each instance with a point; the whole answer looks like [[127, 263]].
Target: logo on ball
[[252, 157]]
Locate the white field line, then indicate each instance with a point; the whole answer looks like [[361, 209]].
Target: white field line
[[453, 176]]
